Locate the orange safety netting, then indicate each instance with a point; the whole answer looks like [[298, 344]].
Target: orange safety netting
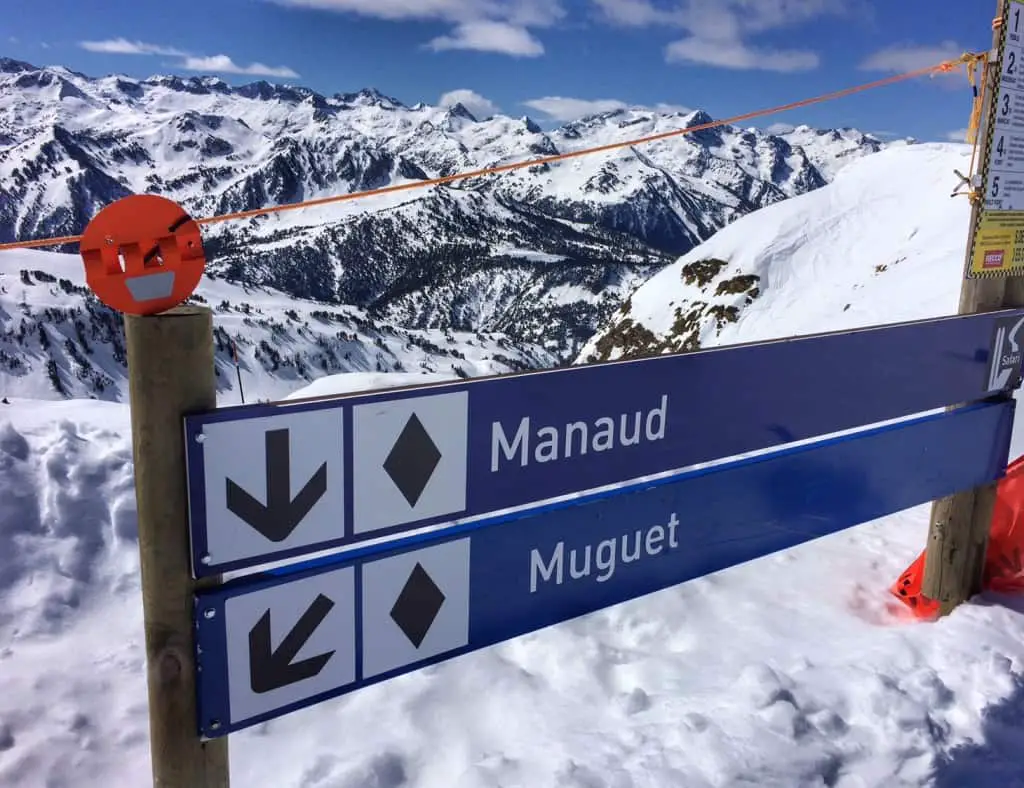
[[1004, 567]]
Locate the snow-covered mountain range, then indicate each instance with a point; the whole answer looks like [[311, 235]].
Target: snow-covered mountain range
[[543, 254]]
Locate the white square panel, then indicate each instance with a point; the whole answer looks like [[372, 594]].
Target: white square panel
[[409, 460], [290, 642], [300, 455], [415, 606]]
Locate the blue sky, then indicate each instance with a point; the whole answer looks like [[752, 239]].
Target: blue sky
[[551, 59]]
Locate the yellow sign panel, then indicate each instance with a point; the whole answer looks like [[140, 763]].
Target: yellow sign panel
[[999, 243]]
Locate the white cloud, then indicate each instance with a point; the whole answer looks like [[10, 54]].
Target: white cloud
[[780, 128], [122, 46], [565, 109], [528, 13], [724, 18], [718, 31], [13, 40], [634, 13], [480, 106], [739, 56], [960, 135], [484, 36], [501, 26], [223, 64], [909, 57], [390, 9]]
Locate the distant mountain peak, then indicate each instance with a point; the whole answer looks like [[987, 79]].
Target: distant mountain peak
[[698, 118], [531, 125], [370, 96], [11, 66], [458, 109]]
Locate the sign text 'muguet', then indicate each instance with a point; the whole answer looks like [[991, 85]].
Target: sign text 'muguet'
[[606, 555]]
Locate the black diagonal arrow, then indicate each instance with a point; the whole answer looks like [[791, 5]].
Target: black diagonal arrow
[[281, 514], [270, 668]]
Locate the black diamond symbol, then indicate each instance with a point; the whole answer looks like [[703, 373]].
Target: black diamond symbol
[[418, 605], [412, 460]]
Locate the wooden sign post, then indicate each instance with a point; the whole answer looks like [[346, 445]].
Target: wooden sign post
[[171, 374], [958, 532]]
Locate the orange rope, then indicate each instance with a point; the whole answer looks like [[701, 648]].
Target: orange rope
[[943, 67], [58, 241], [976, 126]]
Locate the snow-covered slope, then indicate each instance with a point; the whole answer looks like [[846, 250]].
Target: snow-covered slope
[[541, 254], [57, 340], [791, 672], [827, 259]]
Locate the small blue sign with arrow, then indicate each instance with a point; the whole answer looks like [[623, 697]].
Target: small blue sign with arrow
[[271, 482]]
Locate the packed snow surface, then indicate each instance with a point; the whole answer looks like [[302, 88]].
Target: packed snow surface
[[794, 670]]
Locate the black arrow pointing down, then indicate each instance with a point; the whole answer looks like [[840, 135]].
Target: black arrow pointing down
[[270, 668], [281, 514]]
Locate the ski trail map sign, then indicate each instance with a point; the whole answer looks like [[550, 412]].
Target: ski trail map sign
[[999, 241]]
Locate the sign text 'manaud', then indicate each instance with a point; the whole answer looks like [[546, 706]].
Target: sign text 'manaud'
[[550, 444], [274, 481]]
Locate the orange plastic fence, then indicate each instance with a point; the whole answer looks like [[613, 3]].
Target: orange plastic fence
[[1004, 559]]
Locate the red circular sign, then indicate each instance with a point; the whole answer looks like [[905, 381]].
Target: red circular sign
[[143, 254]]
